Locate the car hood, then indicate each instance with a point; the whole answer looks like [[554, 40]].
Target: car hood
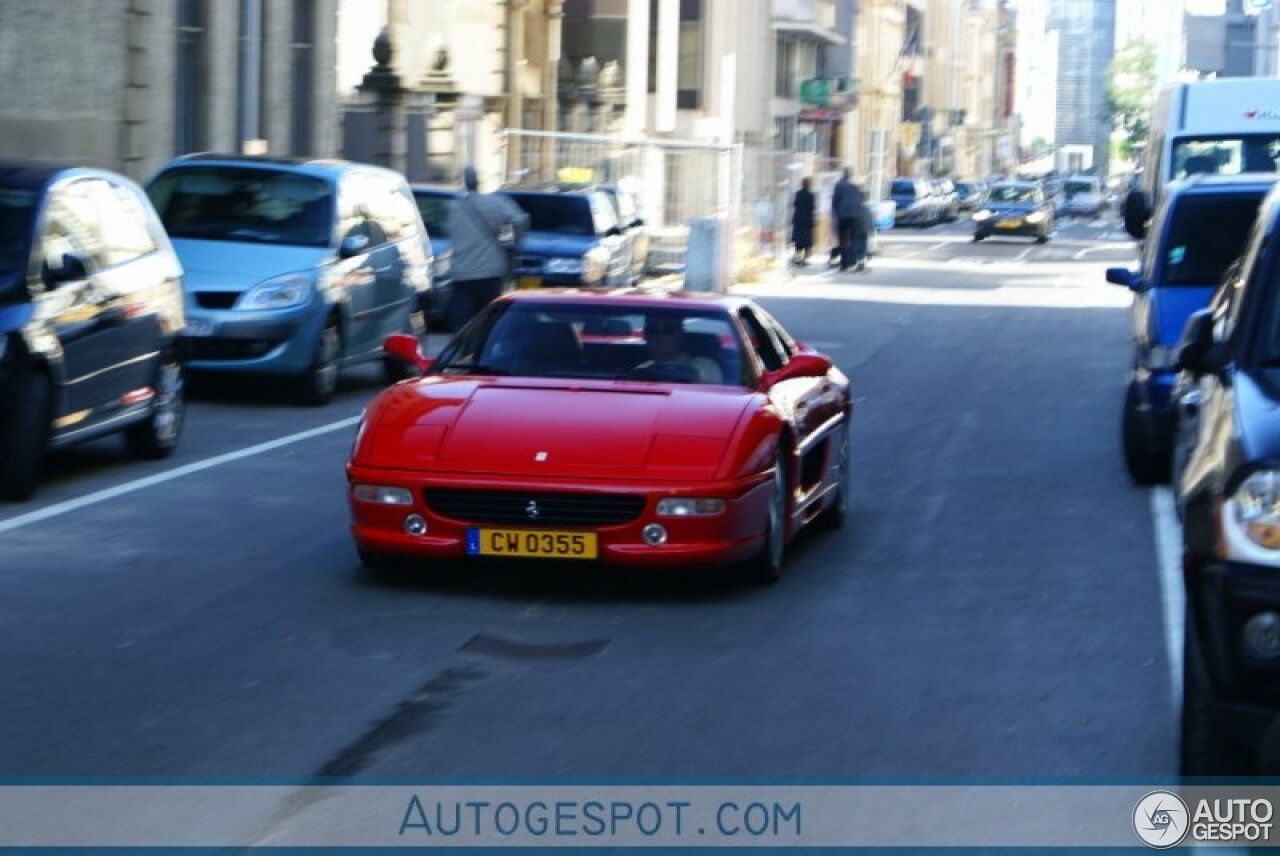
[[554, 244], [1171, 307], [525, 427], [231, 266]]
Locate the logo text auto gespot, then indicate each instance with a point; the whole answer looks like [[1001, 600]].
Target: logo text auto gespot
[[1232, 820], [1265, 115]]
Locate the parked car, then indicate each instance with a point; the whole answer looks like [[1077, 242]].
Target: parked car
[[633, 229], [1014, 208], [295, 269], [660, 431], [1084, 196], [948, 200], [971, 194], [434, 204], [1200, 229], [574, 238], [1228, 493], [90, 308], [917, 204]]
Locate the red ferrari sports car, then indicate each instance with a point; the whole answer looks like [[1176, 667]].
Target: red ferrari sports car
[[627, 427]]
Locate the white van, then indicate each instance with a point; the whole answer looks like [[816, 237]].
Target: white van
[[1222, 127]]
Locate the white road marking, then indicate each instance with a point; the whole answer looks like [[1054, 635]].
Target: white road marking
[[1172, 598], [61, 508]]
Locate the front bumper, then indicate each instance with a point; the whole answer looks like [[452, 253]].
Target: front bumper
[[274, 342], [733, 536], [1007, 226], [1225, 595]]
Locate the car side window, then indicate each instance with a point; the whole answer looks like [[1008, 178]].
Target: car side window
[[602, 213], [1232, 291], [126, 231], [393, 211], [70, 228], [786, 344], [762, 341]]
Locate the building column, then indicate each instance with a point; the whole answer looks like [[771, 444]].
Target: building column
[[668, 65], [637, 71]]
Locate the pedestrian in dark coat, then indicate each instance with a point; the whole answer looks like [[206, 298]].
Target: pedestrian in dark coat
[[802, 213], [847, 203]]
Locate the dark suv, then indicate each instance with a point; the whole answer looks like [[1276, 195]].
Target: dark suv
[[1228, 492], [574, 238], [90, 305]]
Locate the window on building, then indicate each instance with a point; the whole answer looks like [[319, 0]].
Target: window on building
[[302, 77], [689, 68], [190, 129], [784, 71]]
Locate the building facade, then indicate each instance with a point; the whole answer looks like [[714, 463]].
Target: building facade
[[137, 82], [1086, 42]]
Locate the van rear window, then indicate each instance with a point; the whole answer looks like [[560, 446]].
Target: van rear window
[[1226, 156]]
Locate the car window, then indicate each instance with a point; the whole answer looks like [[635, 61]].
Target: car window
[[1204, 236], [434, 209], [903, 188], [1225, 156], [565, 214], [393, 209], [17, 222], [603, 212], [244, 204], [1015, 193], [762, 341], [126, 226], [69, 229]]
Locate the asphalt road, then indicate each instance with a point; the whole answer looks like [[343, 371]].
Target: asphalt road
[[992, 609]]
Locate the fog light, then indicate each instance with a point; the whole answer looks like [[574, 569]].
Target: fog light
[[655, 535], [1262, 636], [415, 525]]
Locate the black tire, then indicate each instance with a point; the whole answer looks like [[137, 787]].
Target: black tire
[[1146, 467], [24, 433], [766, 567], [379, 561], [157, 436], [393, 370], [317, 384], [834, 515], [1206, 745], [1042, 238], [978, 237]]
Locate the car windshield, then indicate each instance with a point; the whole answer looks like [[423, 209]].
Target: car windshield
[[565, 214], [247, 205], [434, 208], [1074, 187], [1012, 193], [540, 339], [903, 188], [964, 187], [1225, 156], [17, 221], [1206, 234]]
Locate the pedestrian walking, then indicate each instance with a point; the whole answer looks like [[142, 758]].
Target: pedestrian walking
[[802, 215], [486, 228], [847, 204]]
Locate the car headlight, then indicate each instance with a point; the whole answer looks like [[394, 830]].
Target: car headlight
[[382, 494], [281, 292], [564, 266], [1036, 217], [1161, 358], [594, 264], [674, 506], [984, 214], [1251, 520]]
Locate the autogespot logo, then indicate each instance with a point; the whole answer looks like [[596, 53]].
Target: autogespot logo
[[1161, 819]]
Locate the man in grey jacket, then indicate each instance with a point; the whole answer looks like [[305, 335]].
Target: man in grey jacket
[[485, 228]]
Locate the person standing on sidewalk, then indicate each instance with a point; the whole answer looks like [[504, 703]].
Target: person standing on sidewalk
[[485, 228], [802, 210], [847, 203]]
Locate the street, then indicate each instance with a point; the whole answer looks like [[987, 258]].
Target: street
[[993, 608]]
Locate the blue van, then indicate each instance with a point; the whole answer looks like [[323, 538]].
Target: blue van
[[294, 268], [1200, 228]]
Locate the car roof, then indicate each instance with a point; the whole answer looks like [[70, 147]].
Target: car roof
[[433, 190], [318, 167], [36, 175], [638, 298]]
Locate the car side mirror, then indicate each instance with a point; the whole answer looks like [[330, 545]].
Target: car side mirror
[[637, 223], [1125, 277], [800, 365], [1199, 353], [70, 269], [406, 348], [1137, 210], [613, 232], [353, 245]]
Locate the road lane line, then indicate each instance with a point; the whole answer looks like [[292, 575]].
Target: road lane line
[[1172, 597], [61, 508]]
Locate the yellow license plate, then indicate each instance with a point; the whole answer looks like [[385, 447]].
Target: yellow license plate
[[527, 544], [1009, 224], [528, 282]]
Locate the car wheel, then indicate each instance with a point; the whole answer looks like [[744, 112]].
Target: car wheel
[[317, 384], [766, 567], [1145, 466], [833, 516], [157, 436], [24, 432], [393, 370], [977, 237], [1042, 238], [1206, 745]]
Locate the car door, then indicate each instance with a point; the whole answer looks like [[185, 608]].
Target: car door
[[397, 262], [354, 275], [80, 306]]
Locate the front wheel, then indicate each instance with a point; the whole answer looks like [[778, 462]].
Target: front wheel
[[766, 567], [978, 237], [157, 436], [318, 382], [24, 431], [1146, 467]]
